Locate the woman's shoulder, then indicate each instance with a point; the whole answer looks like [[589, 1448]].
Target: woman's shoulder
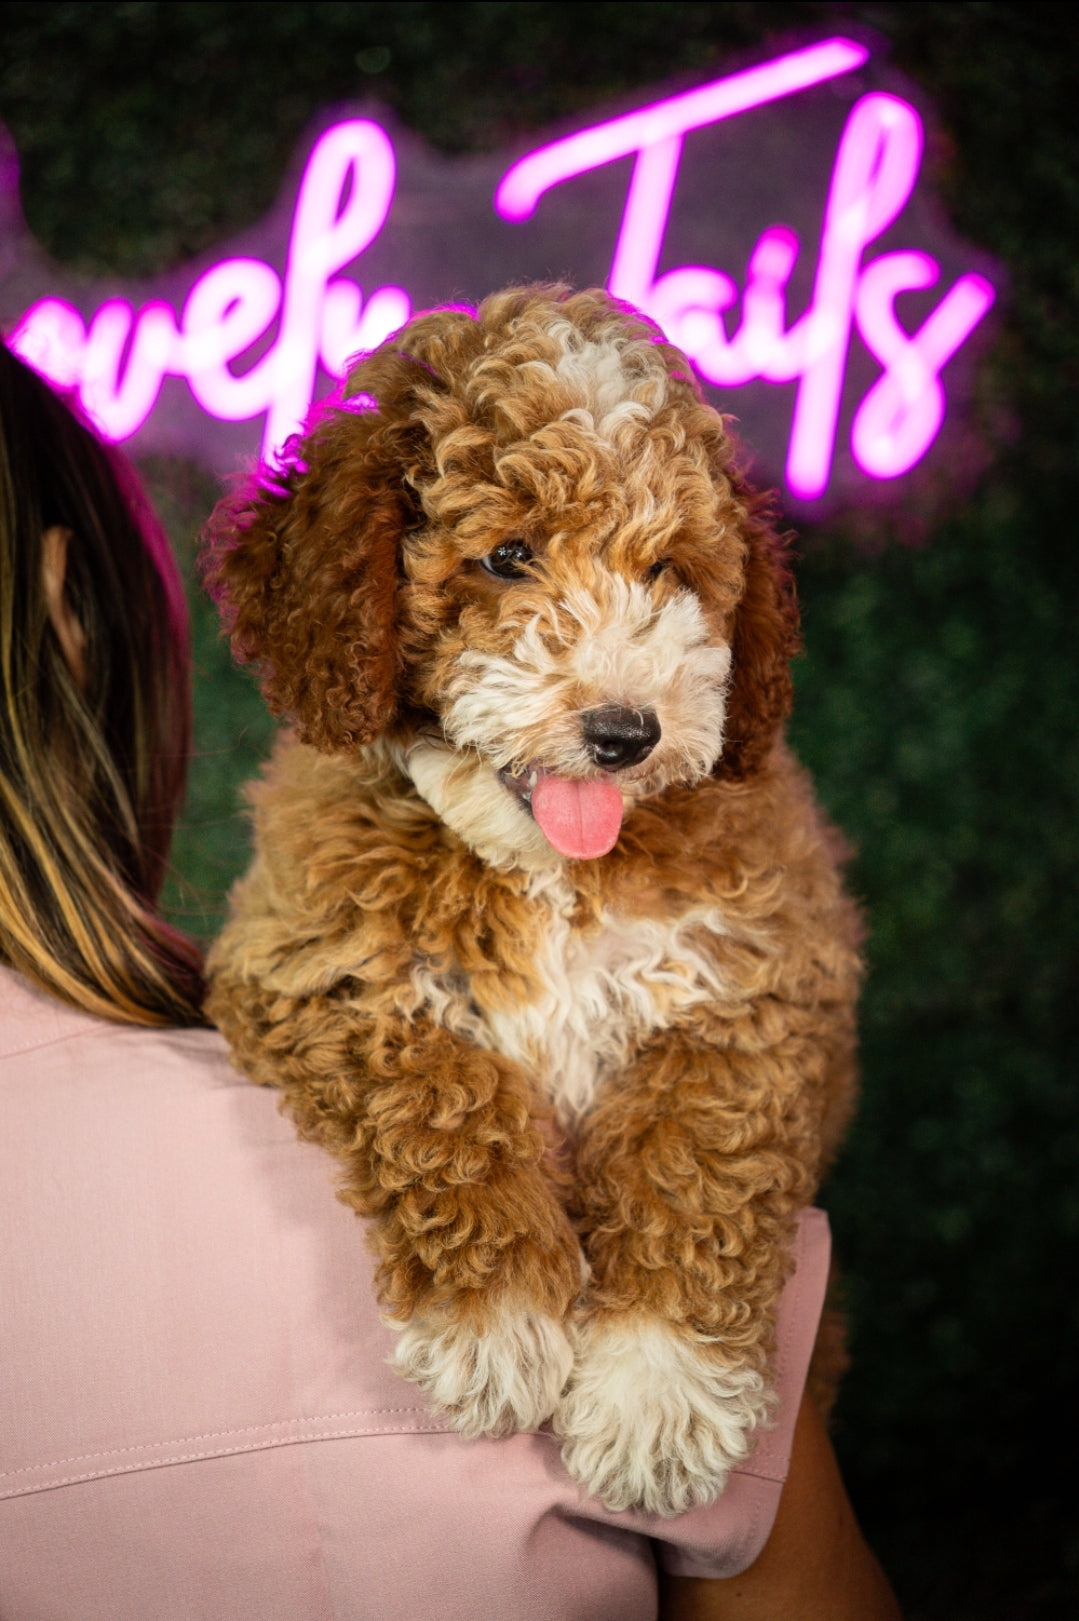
[[200, 1298], [39, 1031], [130, 1112]]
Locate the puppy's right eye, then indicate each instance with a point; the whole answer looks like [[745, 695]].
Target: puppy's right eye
[[508, 561]]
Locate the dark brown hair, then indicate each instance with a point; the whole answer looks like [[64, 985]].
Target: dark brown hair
[[92, 771]]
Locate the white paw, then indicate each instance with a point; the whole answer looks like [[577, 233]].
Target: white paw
[[506, 1379], [651, 1420]]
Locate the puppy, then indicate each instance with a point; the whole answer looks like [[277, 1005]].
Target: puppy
[[544, 937]]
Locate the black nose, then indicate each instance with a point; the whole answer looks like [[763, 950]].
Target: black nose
[[616, 737]]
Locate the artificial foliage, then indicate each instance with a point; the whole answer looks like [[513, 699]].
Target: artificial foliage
[[937, 694]]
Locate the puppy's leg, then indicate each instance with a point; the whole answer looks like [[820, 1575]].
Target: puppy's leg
[[690, 1169], [478, 1264]]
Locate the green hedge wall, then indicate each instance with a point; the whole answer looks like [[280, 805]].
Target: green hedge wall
[[937, 697]]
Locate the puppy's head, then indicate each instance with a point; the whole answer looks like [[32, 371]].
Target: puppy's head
[[517, 551]]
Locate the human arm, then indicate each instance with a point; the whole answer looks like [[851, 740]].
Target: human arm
[[815, 1566]]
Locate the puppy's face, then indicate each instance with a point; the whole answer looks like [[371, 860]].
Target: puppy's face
[[572, 589], [525, 566]]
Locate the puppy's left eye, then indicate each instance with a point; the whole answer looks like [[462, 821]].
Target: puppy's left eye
[[659, 568], [508, 561]]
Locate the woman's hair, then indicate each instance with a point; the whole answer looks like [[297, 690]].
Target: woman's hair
[[93, 764]]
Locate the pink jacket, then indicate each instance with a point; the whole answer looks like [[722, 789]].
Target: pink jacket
[[197, 1422]]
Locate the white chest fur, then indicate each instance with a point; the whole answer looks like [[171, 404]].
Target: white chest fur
[[601, 991]]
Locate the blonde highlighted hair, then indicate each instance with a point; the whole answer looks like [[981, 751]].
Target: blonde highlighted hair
[[92, 770]]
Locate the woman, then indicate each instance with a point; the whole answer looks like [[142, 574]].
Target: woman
[[196, 1417]]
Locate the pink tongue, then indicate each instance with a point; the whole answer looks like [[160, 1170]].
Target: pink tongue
[[581, 819]]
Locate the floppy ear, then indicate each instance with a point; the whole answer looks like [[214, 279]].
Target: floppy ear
[[303, 561], [765, 639]]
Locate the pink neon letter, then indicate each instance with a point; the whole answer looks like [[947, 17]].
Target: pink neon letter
[[345, 330], [117, 394], [121, 396], [226, 310], [876, 167], [902, 413], [522, 186], [332, 225], [51, 337], [688, 303], [344, 198]]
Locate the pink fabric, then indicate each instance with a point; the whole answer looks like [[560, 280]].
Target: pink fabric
[[196, 1416]]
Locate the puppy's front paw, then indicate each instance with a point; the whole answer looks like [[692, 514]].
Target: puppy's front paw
[[651, 1420], [507, 1378]]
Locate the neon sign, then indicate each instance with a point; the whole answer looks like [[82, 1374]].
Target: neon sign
[[253, 343], [320, 317], [876, 166]]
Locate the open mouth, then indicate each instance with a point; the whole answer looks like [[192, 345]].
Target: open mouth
[[580, 818], [520, 783]]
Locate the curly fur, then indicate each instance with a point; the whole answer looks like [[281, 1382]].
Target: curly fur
[[651, 1420], [536, 1069]]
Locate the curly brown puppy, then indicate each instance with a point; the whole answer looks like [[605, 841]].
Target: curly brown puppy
[[544, 937]]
